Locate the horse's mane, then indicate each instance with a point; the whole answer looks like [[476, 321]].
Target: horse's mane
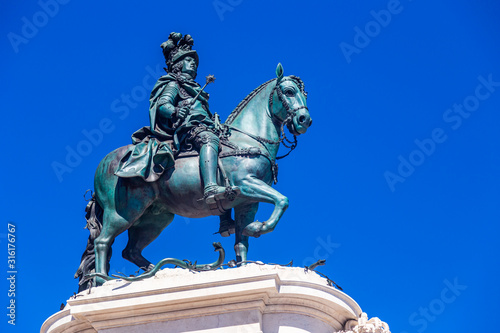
[[257, 90], [245, 101]]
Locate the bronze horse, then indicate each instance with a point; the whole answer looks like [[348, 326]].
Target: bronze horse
[[254, 131]]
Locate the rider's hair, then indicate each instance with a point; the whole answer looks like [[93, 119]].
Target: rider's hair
[[177, 68]]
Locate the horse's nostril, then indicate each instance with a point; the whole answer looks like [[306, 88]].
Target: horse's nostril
[[302, 119]]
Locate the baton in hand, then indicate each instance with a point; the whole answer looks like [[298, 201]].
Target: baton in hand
[[210, 78]]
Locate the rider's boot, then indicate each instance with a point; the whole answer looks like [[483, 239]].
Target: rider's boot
[[208, 167]]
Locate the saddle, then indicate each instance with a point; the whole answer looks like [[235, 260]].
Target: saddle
[[149, 157]]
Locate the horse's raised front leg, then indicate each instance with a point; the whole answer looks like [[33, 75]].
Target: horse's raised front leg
[[256, 190], [244, 215]]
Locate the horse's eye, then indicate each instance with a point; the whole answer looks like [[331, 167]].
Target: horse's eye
[[289, 93]]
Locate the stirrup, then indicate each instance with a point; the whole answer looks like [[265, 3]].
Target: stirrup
[[221, 193]]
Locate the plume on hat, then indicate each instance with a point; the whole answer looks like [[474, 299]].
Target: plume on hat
[[177, 47]]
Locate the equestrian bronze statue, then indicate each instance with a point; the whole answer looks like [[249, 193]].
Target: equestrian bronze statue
[[190, 164]]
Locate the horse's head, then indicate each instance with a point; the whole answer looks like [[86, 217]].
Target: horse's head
[[288, 104]]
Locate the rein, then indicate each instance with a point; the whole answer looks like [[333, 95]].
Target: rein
[[290, 113]]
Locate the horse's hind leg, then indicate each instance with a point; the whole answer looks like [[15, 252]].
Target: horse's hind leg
[[243, 215], [147, 228], [113, 225]]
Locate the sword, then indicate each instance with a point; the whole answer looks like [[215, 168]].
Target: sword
[[209, 79]]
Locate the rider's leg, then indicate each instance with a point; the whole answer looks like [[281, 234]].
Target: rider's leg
[[209, 154]]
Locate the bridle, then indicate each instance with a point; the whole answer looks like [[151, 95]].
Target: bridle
[[290, 113]]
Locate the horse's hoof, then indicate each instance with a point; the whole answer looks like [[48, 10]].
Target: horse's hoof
[[265, 228], [253, 229]]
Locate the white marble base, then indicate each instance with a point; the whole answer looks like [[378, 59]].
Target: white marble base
[[254, 298]]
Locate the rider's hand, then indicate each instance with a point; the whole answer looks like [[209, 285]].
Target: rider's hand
[[182, 112]]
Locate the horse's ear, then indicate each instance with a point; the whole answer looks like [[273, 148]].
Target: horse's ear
[[279, 72]]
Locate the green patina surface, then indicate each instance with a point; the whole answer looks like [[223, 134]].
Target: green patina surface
[[187, 163]]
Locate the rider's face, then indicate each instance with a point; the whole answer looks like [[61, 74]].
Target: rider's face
[[189, 66]]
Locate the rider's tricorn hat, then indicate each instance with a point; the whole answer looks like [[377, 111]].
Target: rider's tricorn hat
[[177, 48]]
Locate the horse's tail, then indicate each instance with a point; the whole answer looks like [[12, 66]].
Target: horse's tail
[[94, 224]]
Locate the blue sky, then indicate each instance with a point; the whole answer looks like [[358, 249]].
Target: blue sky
[[396, 184]]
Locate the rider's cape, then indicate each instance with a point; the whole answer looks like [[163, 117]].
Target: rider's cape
[[154, 147]]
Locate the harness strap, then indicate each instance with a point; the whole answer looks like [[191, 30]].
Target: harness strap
[[252, 152], [224, 175], [255, 137]]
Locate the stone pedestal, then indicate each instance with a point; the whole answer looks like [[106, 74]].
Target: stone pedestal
[[250, 299]]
